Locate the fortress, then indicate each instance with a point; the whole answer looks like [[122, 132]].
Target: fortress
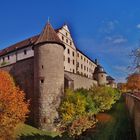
[[46, 64]]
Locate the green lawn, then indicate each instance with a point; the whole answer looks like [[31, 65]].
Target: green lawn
[[25, 131]]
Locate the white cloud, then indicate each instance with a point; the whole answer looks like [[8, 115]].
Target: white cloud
[[138, 26], [116, 40], [108, 26]]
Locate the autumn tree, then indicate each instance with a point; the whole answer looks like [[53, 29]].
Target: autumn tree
[[13, 107], [133, 82]]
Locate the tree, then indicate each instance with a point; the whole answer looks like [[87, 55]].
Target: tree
[[13, 107], [104, 97], [133, 82]]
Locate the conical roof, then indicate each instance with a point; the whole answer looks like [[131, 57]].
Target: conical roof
[[99, 69], [48, 35]]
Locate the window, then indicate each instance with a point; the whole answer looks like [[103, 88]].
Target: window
[[68, 60], [73, 62], [32, 48], [84, 67], [77, 64], [42, 66], [87, 61], [66, 34], [81, 57], [73, 71], [70, 43], [68, 51], [73, 53], [77, 54], [25, 52], [67, 40], [8, 57], [64, 58], [84, 59], [87, 68], [42, 81], [62, 37], [81, 66], [3, 59], [64, 68]]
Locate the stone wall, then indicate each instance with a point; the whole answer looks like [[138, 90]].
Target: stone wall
[[23, 74], [133, 105], [81, 81]]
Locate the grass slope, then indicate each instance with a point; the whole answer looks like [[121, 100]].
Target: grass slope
[[24, 130]]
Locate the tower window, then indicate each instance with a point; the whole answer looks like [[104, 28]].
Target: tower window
[[70, 43], [81, 57], [81, 66], [68, 60], [42, 81], [25, 52]]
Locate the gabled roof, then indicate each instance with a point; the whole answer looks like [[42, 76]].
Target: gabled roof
[[48, 35]]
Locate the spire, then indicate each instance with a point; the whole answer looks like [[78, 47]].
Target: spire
[[48, 35]]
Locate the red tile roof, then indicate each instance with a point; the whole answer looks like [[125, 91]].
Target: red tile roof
[[47, 35], [22, 44]]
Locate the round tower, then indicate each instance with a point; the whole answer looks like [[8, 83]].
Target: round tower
[[100, 75], [48, 78]]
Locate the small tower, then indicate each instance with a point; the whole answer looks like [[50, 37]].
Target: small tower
[[48, 78], [100, 75]]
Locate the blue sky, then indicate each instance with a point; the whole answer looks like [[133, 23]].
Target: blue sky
[[103, 29]]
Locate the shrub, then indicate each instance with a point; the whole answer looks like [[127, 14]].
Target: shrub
[[75, 110], [104, 97]]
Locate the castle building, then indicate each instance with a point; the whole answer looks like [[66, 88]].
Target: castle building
[[44, 65]]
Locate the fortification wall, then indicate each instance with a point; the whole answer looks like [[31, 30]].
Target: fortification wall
[[23, 73], [81, 81], [133, 105]]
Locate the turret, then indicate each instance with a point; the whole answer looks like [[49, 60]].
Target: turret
[[100, 75], [48, 78]]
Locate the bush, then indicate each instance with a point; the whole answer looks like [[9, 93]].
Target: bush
[[78, 108], [73, 109], [104, 97]]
